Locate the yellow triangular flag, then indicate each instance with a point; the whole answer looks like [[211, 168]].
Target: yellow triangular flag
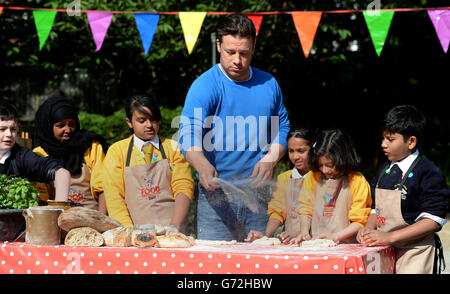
[[191, 23]]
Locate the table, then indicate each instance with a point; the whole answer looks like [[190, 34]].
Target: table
[[240, 258]]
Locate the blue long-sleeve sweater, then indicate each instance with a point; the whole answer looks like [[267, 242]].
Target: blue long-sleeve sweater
[[234, 122]]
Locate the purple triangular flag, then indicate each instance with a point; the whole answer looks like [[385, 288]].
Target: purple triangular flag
[[99, 23], [441, 22]]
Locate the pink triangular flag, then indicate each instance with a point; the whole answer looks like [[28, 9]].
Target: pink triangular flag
[[99, 23], [441, 22], [257, 20]]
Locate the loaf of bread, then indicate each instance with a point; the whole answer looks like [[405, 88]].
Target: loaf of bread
[[76, 217], [84, 236], [118, 237]]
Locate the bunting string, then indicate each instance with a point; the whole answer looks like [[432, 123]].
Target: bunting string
[[378, 22], [224, 12]]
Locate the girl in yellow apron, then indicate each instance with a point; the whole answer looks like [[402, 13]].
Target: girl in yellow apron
[[147, 180], [335, 201], [410, 196], [58, 134], [282, 207]]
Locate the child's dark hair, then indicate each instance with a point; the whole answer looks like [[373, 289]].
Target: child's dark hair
[[406, 120], [8, 111], [138, 102], [236, 25], [302, 132], [338, 146]]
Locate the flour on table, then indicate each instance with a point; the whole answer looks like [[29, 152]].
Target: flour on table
[[318, 243], [267, 241], [214, 242]]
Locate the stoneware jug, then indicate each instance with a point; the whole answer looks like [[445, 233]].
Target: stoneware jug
[[42, 225]]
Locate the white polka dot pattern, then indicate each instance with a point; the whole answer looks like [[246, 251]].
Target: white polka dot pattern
[[20, 258]]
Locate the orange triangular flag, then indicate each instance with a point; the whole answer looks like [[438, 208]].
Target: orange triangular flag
[[1, 10], [257, 20], [306, 24]]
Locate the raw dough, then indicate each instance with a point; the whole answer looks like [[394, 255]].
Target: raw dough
[[267, 241], [318, 243], [214, 242]]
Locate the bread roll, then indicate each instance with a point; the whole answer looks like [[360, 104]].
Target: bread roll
[[84, 237], [118, 237], [177, 240], [76, 217]]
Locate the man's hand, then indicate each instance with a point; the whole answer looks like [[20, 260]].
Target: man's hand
[[262, 173], [263, 170], [206, 172], [206, 177]]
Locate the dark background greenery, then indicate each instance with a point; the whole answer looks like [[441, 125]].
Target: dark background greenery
[[334, 87]]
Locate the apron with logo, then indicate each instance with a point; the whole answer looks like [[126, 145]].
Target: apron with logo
[[331, 206], [411, 258], [292, 223], [148, 193], [80, 189]]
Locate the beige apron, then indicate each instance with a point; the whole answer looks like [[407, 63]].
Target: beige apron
[[80, 189], [331, 206], [411, 258], [292, 223], [148, 193]]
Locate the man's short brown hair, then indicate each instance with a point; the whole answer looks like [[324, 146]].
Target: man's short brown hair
[[236, 25]]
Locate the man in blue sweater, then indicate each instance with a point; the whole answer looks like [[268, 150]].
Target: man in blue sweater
[[233, 127]]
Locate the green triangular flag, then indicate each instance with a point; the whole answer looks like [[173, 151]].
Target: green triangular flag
[[43, 20], [378, 23]]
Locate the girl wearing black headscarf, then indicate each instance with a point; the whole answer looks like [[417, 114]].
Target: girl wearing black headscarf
[[58, 134]]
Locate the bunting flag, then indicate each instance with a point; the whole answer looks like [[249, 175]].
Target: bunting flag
[[257, 20], [191, 23], [146, 24], [441, 23], [99, 23], [306, 24], [43, 20], [378, 24]]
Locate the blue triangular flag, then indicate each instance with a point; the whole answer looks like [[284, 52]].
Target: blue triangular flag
[[146, 24]]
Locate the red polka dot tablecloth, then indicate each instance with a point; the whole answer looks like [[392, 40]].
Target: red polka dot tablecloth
[[240, 258]]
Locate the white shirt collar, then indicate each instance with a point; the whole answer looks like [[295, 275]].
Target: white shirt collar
[[5, 157], [406, 162], [296, 174], [139, 143], [249, 77]]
